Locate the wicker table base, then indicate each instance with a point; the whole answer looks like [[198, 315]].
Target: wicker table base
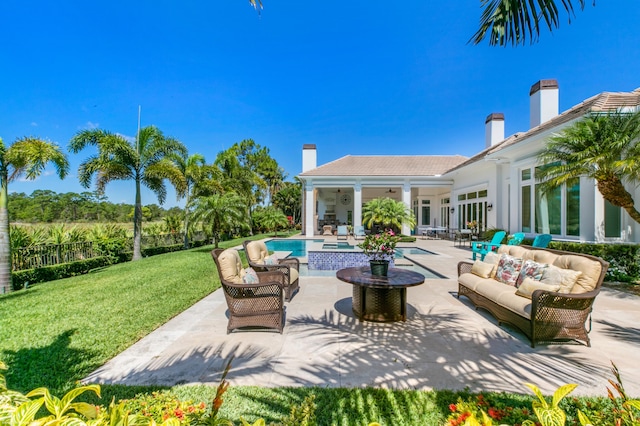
[[378, 298]]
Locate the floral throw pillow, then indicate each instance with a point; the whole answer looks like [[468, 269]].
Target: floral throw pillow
[[250, 276], [271, 260], [508, 269], [531, 269]]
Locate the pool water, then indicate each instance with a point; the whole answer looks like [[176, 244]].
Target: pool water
[[298, 248], [337, 246], [402, 251], [428, 274]]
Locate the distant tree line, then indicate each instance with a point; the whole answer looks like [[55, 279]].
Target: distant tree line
[[44, 206]]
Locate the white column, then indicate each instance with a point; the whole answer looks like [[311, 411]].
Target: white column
[[309, 210], [357, 204], [406, 199]]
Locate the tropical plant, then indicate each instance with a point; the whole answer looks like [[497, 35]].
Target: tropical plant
[[26, 157], [221, 213], [144, 160], [288, 198], [272, 218], [601, 146], [388, 213], [516, 21]]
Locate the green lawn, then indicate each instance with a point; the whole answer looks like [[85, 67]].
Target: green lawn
[[55, 333]]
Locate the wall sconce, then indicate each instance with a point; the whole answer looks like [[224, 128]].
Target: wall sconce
[[453, 209], [489, 206]]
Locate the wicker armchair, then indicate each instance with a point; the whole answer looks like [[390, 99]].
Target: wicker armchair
[[257, 252], [250, 305]]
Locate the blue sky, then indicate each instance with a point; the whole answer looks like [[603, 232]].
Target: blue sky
[[351, 77]]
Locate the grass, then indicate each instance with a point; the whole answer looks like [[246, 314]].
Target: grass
[[55, 333]]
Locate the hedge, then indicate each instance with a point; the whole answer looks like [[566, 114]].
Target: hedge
[[20, 279]]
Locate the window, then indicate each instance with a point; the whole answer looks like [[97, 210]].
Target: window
[[472, 195], [525, 218], [573, 207], [482, 194], [462, 197], [426, 215], [612, 220], [525, 174], [548, 211]]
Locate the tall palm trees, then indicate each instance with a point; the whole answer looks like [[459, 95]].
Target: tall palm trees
[[26, 157], [223, 212], [144, 160], [516, 21], [601, 146]]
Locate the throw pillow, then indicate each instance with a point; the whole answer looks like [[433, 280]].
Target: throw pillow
[[482, 269], [271, 260], [492, 258], [565, 278], [508, 269], [531, 269], [250, 276], [530, 285]]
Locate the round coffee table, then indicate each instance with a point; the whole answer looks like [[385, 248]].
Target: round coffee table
[[378, 298]]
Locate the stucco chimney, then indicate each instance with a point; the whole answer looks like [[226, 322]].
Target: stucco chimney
[[494, 129], [309, 157], [543, 102]]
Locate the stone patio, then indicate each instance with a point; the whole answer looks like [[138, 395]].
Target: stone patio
[[445, 344]]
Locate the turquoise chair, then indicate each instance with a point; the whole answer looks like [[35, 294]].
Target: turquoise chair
[[541, 241], [484, 247], [516, 239]]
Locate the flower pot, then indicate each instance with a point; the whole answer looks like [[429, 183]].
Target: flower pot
[[379, 267]]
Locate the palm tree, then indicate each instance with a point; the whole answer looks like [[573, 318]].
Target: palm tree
[[603, 147], [273, 218], [515, 21], [192, 168], [223, 212], [26, 157], [144, 160], [387, 212]]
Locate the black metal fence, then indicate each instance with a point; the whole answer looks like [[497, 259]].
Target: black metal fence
[[55, 254]]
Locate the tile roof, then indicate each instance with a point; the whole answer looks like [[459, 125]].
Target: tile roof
[[606, 101], [387, 165]]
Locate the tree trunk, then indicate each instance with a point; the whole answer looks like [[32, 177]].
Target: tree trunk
[[614, 192], [5, 241], [137, 224], [186, 222]]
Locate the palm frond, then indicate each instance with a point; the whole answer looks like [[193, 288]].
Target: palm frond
[[29, 157], [518, 21]]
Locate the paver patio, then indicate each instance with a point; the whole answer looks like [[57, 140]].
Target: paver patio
[[445, 343]]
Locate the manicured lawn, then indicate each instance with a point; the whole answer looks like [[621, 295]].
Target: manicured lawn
[[55, 333]]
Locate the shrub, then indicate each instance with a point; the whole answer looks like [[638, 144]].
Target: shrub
[[26, 277], [624, 259]]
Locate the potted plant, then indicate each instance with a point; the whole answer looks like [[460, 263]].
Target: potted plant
[[380, 249]]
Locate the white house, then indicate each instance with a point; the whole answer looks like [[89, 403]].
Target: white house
[[496, 187]]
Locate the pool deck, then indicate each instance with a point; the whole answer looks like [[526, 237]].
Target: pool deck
[[445, 343]]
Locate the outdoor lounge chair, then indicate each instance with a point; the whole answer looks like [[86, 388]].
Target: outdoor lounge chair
[[250, 305], [358, 232], [327, 230], [257, 253], [343, 232], [484, 247], [541, 241]]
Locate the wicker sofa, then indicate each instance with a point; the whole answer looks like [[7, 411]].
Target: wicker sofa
[[549, 315]]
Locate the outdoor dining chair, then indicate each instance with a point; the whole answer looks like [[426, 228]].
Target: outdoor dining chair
[[484, 247], [250, 304], [343, 232]]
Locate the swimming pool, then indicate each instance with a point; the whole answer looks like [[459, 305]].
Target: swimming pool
[[337, 246], [298, 248], [428, 273], [402, 251]]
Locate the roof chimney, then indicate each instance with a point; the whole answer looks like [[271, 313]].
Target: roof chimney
[[543, 102], [309, 157], [494, 129]]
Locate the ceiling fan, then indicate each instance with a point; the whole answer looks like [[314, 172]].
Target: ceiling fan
[[390, 191]]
